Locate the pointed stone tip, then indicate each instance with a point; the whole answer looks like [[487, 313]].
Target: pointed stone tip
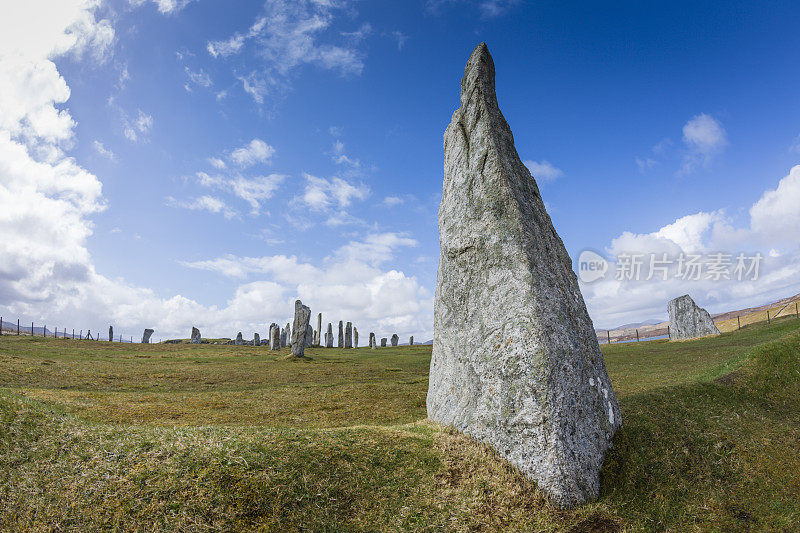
[[480, 66]]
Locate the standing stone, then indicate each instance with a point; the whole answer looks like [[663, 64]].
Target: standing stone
[[309, 336], [348, 335], [688, 321], [110, 333], [239, 340], [411, 340], [319, 330], [146, 336], [256, 339], [372, 344], [515, 363], [395, 339], [383, 342], [341, 335], [283, 337], [196, 339], [288, 341], [355, 337], [316, 337], [300, 328], [329, 336], [275, 337]]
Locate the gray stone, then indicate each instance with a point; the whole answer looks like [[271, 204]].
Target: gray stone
[[110, 333], [329, 336], [300, 328], [372, 344], [411, 340], [239, 340], [515, 362], [196, 339], [355, 337], [348, 335], [146, 336], [688, 321], [256, 339], [383, 342], [309, 336], [341, 335], [316, 337], [318, 341], [395, 339], [275, 337], [288, 340]]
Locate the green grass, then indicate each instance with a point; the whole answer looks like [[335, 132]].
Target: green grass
[[98, 436]]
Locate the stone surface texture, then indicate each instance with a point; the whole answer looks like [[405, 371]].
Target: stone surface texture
[[383, 342], [688, 321], [319, 330], [275, 337], [110, 333], [256, 339], [395, 339], [309, 336], [411, 340], [348, 335], [239, 340], [146, 336], [355, 337], [515, 363], [329, 336], [196, 339], [300, 328], [340, 344], [372, 343]]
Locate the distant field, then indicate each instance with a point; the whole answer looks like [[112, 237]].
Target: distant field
[[97, 436]]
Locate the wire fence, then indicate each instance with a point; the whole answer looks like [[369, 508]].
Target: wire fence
[[725, 322], [20, 328]]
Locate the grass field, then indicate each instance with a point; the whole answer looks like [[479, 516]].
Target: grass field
[[98, 436]]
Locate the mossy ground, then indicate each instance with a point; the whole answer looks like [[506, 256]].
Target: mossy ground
[[101, 436]]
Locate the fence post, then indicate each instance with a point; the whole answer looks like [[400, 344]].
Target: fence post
[[31, 329], [739, 322], [18, 326]]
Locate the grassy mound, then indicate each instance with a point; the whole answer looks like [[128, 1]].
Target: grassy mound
[[713, 444]]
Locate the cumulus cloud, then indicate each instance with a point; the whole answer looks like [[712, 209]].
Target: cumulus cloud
[[704, 138], [321, 194], [164, 6], [391, 201], [203, 203], [288, 35], [771, 232], [543, 171], [256, 151]]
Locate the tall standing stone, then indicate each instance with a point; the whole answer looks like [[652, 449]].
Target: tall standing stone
[[395, 339], [355, 337], [256, 339], [319, 330], [196, 339], [372, 343], [340, 344], [411, 340], [329, 336], [300, 328], [275, 337], [516, 362], [309, 336], [146, 336], [110, 333], [288, 341], [383, 342], [688, 321], [239, 340], [348, 335]]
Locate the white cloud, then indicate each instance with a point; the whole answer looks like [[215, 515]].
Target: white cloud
[[256, 151], [400, 37], [391, 201], [488, 8], [200, 78], [164, 6], [102, 150], [256, 190], [321, 194], [341, 158], [645, 163], [289, 35], [137, 129], [203, 203], [776, 215], [217, 163], [360, 34], [543, 171], [704, 137], [795, 147]]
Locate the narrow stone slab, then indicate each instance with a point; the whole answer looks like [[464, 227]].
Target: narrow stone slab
[[355, 337], [318, 340], [411, 340], [348, 335], [372, 344], [689, 321], [395, 339], [110, 333], [329, 336], [515, 362], [383, 342], [300, 328], [340, 344], [196, 339], [146, 336], [239, 339]]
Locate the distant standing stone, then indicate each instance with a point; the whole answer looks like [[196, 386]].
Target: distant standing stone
[[309, 336], [300, 328], [239, 339], [348, 335], [395, 339], [688, 321], [256, 339], [319, 330], [383, 342], [515, 361], [196, 339], [411, 340], [372, 344], [146, 337], [355, 337], [110, 333], [275, 337], [288, 341], [341, 335], [329, 336]]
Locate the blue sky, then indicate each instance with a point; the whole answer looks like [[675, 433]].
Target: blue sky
[[172, 163]]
